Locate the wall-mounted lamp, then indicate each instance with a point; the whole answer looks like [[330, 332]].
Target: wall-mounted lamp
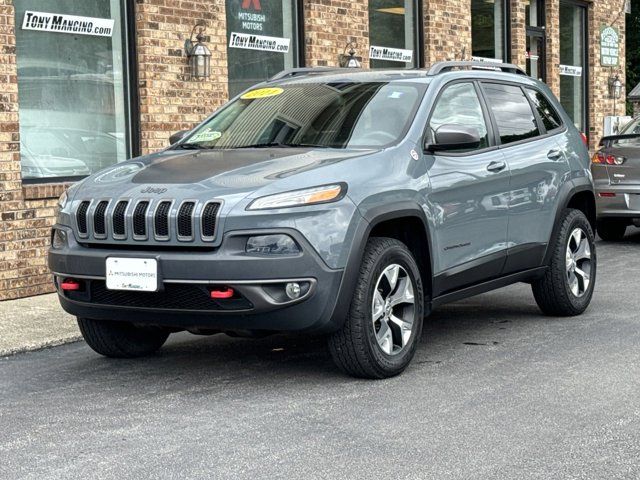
[[198, 54], [615, 87], [349, 60]]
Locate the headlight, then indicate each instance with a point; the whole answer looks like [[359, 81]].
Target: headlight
[[62, 201], [298, 198]]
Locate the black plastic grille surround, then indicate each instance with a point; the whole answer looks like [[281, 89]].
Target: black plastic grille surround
[[185, 220], [118, 218], [140, 219], [99, 220], [81, 217], [173, 297], [209, 216], [161, 219]]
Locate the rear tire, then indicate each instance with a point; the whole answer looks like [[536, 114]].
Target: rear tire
[[384, 324], [121, 339], [567, 286], [611, 229]]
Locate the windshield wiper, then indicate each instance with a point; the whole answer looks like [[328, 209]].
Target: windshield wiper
[[190, 146], [264, 145]]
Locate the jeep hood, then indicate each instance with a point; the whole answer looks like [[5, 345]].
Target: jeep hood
[[212, 172]]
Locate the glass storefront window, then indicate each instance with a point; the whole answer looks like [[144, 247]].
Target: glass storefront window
[[392, 34], [573, 62], [488, 29], [71, 86], [534, 13], [261, 40]]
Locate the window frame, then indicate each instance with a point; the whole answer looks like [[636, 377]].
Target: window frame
[[485, 113], [131, 91], [538, 120]]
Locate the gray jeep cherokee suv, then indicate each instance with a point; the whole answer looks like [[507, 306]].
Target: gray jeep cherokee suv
[[338, 201]]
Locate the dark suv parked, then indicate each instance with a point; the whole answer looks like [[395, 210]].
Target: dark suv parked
[[337, 201]]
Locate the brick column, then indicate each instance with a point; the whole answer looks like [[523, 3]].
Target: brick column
[[552, 26], [447, 30], [518, 34], [169, 99], [329, 25]]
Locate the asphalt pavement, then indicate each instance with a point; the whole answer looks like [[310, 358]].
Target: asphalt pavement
[[496, 391]]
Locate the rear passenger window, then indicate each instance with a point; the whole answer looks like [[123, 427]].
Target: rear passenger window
[[512, 111], [550, 117]]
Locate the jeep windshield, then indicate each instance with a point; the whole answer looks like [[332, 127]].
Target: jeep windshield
[[323, 115]]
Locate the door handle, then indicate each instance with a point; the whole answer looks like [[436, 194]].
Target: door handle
[[496, 166], [554, 154]]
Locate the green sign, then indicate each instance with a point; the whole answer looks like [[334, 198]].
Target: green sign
[[609, 46]]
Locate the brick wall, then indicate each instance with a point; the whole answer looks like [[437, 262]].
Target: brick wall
[[26, 214], [447, 30], [329, 25], [518, 33], [169, 99]]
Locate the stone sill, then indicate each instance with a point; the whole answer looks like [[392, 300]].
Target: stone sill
[[42, 191]]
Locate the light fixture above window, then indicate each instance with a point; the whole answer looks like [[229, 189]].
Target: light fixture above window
[[349, 60]]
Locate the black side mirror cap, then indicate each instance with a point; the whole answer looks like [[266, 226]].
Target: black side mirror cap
[[454, 137], [176, 137]]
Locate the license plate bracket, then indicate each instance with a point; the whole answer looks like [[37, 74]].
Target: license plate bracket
[[133, 274]]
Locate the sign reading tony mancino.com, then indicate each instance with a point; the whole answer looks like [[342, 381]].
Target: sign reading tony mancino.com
[[259, 42], [60, 23]]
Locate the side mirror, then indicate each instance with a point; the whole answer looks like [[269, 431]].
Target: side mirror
[[176, 137], [454, 137]]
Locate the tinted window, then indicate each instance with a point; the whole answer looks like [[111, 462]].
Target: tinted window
[[548, 114], [459, 104], [335, 115], [513, 114]]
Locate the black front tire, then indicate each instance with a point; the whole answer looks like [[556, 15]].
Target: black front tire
[[611, 229], [553, 292], [121, 339], [354, 347]]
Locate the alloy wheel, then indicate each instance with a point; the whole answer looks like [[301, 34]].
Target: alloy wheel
[[578, 262], [393, 309]]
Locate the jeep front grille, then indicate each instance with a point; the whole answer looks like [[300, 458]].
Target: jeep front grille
[[164, 220]]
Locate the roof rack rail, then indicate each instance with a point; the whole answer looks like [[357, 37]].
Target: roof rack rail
[[295, 72], [440, 67]]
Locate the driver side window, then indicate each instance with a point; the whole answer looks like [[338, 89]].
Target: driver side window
[[459, 105]]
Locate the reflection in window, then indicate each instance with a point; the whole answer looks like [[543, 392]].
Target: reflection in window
[[459, 105], [72, 94], [512, 112], [572, 54], [488, 21], [310, 114], [267, 18], [550, 118], [392, 25]]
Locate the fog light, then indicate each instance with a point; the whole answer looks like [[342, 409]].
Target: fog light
[[272, 245], [58, 238], [293, 290]]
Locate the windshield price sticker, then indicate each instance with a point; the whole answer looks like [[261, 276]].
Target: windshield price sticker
[[390, 54], [262, 93], [205, 136], [263, 43], [55, 22]]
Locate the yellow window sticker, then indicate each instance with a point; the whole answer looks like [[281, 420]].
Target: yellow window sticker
[[262, 93]]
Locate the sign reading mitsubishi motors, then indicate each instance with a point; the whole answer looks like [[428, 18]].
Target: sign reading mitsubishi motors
[[60, 23], [390, 54]]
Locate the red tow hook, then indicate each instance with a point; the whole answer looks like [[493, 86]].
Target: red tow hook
[[70, 284], [218, 293]]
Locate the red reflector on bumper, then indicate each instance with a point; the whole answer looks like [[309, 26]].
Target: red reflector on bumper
[[607, 194], [69, 284], [222, 293]]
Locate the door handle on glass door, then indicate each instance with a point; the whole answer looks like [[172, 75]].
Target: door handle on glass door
[[496, 166]]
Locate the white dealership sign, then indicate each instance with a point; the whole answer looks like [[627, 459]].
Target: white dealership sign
[[570, 70], [390, 54], [249, 41], [57, 22]]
